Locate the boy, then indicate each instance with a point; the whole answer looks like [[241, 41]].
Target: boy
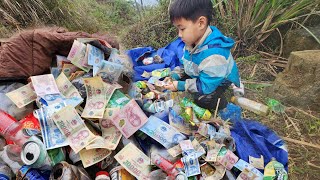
[[208, 67]]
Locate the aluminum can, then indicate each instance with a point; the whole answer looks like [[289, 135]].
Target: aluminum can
[[28, 173], [5, 172], [119, 173], [35, 154]]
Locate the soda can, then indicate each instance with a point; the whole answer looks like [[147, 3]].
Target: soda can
[[5, 172], [28, 173], [181, 176], [74, 157], [35, 154], [119, 173]]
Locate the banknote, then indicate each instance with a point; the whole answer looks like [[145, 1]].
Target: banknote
[[55, 71], [76, 75], [241, 165], [52, 136], [191, 165], [61, 60], [118, 100], [218, 174], [203, 129], [72, 126], [186, 145], [134, 161], [197, 147], [66, 87], [212, 153], [50, 99], [77, 55], [96, 98], [93, 156], [109, 71], [175, 151], [44, 84], [178, 122], [23, 95], [68, 69], [129, 119], [228, 160], [246, 174], [110, 134], [162, 132], [95, 55], [257, 162]]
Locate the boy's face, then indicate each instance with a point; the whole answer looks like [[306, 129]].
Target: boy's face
[[190, 32]]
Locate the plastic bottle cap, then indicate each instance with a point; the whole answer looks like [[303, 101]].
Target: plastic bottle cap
[[233, 99], [102, 173]]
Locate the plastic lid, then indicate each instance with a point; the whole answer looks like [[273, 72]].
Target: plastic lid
[[102, 173], [233, 98]]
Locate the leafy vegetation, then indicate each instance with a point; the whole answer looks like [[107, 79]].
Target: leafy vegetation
[[85, 15], [252, 22]]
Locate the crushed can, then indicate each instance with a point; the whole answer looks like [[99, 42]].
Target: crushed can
[[28, 173], [5, 172], [64, 170], [35, 154], [119, 173]]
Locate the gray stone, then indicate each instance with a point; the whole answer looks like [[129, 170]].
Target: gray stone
[[300, 39], [299, 84]]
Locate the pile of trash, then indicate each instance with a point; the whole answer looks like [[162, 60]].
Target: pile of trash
[[90, 124]]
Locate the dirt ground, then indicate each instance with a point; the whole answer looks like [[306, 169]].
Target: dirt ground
[[300, 128]]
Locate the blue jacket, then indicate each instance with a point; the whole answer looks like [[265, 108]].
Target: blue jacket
[[209, 64]]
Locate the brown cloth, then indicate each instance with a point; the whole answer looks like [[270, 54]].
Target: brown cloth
[[31, 52]]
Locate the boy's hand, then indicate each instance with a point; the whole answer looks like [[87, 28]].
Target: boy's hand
[[172, 86]]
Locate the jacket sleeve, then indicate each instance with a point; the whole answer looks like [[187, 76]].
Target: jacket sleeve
[[212, 72]]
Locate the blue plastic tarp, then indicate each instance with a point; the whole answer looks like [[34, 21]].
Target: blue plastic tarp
[[170, 55]]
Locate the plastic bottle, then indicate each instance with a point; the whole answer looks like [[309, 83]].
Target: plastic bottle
[[11, 129], [253, 106], [275, 170], [5, 172], [6, 121], [11, 156], [201, 113], [238, 91]]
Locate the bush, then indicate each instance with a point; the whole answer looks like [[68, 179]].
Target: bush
[[79, 15], [155, 29]]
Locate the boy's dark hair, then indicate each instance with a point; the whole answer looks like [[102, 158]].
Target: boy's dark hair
[[191, 9]]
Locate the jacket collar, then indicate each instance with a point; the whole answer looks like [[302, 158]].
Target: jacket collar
[[205, 35]]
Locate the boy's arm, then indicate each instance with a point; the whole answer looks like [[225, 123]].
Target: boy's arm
[[213, 71], [177, 73]]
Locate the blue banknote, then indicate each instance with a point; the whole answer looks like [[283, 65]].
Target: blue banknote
[[162, 132], [191, 165], [52, 136], [50, 99], [241, 165]]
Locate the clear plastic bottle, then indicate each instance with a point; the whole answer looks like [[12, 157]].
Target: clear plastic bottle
[[11, 156], [253, 106], [11, 129], [16, 134]]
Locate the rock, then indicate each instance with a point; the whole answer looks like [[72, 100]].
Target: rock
[[300, 39], [299, 84]]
